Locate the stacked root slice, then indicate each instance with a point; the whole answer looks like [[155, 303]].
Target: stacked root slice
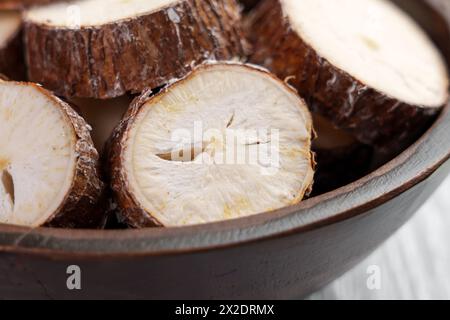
[[227, 141], [105, 48], [362, 64], [48, 164]]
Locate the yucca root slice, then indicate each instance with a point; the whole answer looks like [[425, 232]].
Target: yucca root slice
[[227, 141], [110, 47], [12, 62], [363, 64], [48, 164]]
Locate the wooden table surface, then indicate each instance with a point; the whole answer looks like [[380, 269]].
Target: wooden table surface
[[413, 264]]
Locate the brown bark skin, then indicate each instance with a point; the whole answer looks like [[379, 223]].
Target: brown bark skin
[[129, 211], [371, 116], [12, 63], [131, 55], [82, 206]]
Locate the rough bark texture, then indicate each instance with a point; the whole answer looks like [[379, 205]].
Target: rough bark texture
[[131, 55], [371, 116], [82, 206], [12, 63], [129, 211]]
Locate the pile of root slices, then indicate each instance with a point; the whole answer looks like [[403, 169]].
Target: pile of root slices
[[169, 113]]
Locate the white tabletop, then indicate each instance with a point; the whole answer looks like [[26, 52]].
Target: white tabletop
[[413, 264]]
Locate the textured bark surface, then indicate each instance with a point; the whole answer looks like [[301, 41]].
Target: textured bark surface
[[371, 116], [134, 54], [82, 206], [12, 63], [129, 211]]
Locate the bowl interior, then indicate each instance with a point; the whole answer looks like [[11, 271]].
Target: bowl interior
[[378, 187]]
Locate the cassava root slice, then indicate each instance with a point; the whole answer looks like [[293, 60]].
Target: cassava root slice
[[12, 63], [362, 64], [48, 164], [186, 155], [105, 48]]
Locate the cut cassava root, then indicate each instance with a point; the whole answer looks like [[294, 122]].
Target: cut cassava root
[[110, 47], [11, 50], [186, 155], [48, 165], [363, 64]]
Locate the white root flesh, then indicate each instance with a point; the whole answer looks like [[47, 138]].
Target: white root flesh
[[375, 42], [48, 165], [201, 179], [88, 13]]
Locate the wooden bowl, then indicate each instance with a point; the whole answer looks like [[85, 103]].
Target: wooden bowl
[[288, 254]]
